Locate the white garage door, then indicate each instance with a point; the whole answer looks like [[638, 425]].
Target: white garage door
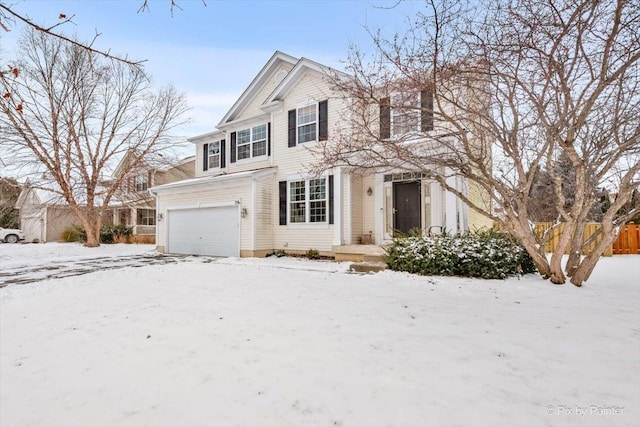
[[204, 231]]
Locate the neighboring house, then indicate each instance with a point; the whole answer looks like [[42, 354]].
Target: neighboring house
[[252, 193], [44, 214], [134, 206]]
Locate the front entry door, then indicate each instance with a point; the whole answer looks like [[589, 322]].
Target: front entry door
[[406, 206]]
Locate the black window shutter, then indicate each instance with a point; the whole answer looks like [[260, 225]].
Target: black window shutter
[[149, 178], [426, 110], [269, 139], [331, 199], [223, 154], [292, 128], [322, 121], [385, 118], [205, 157], [233, 147], [282, 188]]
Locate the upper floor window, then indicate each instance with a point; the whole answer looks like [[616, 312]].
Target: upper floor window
[[142, 182], [308, 123], [406, 113], [248, 143], [213, 155]]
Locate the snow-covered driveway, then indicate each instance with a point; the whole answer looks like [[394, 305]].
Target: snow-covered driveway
[[22, 274], [289, 342]]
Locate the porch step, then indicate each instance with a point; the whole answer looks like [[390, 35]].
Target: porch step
[[358, 253], [373, 258], [368, 267]]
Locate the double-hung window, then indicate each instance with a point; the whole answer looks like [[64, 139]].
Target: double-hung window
[[251, 142], [214, 155], [405, 114], [308, 123], [308, 201], [142, 182]]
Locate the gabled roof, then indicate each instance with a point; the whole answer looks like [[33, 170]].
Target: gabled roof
[[156, 161], [303, 65], [276, 59], [45, 194]]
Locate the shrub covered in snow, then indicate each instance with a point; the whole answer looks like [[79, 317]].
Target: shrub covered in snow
[[486, 254]]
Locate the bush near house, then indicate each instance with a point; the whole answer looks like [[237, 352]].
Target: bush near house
[[108, 233], [485, 254]]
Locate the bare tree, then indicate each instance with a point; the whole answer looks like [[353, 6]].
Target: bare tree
[[9, 16], [515, 85], [9, 193], [71, 114]]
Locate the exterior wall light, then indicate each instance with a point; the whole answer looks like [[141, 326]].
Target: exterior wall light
[[369, 191]]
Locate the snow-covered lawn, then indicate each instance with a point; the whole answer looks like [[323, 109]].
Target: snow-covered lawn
[[289, 342]]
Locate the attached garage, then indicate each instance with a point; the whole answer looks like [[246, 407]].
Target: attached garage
[[204, 231]]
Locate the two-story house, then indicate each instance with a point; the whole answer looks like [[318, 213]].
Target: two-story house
[[253, 193], [133, 205]]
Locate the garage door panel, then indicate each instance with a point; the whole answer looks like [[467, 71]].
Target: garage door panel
[[204, 231]]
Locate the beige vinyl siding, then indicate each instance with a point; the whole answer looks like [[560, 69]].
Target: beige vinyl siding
[[356, 209], [266, 197], [478, 195], [246, 164], [368, 206], [253, 108], [59, 218], [291, 161], [197, 199], [177, 173]]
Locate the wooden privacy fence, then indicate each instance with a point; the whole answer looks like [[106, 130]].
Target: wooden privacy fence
[[628, 240], [554, 238]]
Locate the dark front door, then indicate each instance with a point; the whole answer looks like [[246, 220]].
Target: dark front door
[[406, 205]]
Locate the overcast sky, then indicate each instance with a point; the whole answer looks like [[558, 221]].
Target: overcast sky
[[213, 52]]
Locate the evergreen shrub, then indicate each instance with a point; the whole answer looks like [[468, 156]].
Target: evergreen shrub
[[485, 254], [108, 233]]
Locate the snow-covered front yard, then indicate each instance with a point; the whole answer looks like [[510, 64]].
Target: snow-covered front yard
[[289, 342]]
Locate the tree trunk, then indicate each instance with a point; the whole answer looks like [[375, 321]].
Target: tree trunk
[[584, 270], [527, 238], [92, 222], [573, 262], [93, 236], [557, 276]]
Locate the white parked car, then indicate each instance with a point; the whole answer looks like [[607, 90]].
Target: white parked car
[[11, 235]]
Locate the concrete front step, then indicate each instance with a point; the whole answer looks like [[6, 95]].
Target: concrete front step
[[358, 253], [368, 267]]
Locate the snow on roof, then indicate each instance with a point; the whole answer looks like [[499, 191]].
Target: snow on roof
[[188, 184]]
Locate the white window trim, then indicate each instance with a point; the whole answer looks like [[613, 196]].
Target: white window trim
[[148, 217], [307, 203], [209, 156], [252, 142], [145, 181], [298, 125], [398, 112]]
